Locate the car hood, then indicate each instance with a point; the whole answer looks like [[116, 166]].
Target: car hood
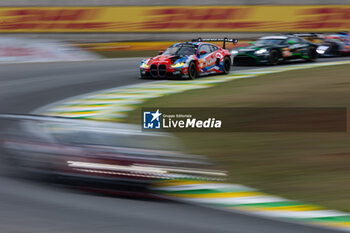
[[167, 59], [253, 48]]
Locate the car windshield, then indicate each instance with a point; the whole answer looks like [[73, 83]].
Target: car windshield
[[180, 50], [269, 41]]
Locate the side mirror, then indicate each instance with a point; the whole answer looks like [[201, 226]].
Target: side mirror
[[160, 52], [291, 42], [202, 52], [251, 42]]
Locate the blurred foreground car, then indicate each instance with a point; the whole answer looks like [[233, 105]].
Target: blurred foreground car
[[98, 156], [272, 50], [189, 60]]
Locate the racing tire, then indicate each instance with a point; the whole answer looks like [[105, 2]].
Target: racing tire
[[273, 58], [192, 71], [226, 65], [312, 54], [334, 50]]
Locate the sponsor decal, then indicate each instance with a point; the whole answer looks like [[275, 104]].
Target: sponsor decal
[[286, 52], [320, 18]]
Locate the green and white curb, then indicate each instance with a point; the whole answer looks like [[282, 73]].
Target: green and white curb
[[235, 197], [115, 103]]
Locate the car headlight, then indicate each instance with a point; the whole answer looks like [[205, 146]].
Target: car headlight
[[322, 49], [234, 52], [261, 51], [319, 51], [180, 64], [144, 65]]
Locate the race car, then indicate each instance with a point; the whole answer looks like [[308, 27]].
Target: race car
[[272, 50], [329, 45], [335, 45], [189, 60]]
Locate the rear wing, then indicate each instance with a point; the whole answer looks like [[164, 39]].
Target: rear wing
[[224, 40]]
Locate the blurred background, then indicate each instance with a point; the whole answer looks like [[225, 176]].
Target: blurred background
[[101, 25]]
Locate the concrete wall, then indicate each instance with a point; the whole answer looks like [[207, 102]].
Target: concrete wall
[[165, 2]]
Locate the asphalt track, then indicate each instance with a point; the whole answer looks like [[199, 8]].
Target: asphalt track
[[28, 206]]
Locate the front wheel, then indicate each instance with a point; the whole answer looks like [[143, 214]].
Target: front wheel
[[273, 58], [192, 71], [334, 51], [227, 65], [142, 76], [311, 54]]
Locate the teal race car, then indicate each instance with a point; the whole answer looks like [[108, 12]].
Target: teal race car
[[272, 50]]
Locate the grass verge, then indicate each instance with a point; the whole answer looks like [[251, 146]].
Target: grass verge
[[309, 167]]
